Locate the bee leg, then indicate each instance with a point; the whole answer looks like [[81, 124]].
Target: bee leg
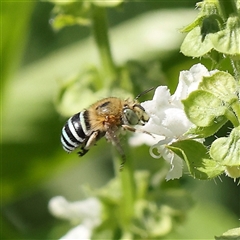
[[123, 162], [90, 142], [82, 152], [132, 129], [112, 137]]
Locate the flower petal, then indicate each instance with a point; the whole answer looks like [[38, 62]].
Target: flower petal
[[79, 232], [87, 211], [189, 81], [168, 122], [176, 168]]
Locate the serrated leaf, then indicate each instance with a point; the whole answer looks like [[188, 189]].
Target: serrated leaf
[[226, 150], [203, 108], [195, 154], [194, 45], [222, 85]]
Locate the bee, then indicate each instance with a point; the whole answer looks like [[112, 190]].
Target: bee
[[103, 118]]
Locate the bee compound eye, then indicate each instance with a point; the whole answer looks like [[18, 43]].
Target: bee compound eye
[[130, 117]]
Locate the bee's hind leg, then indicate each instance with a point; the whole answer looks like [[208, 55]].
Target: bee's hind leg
[[90, 142], [82, 152], [123, 161]]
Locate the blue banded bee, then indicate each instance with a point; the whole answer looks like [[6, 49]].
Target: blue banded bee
[[103, 118]]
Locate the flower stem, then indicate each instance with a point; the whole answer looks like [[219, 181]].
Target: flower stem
[[127, 182], [227, 7], [236, 69], [232, 117], [100, 33], [236, 108]]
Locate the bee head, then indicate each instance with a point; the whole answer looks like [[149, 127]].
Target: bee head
[[134, 115]]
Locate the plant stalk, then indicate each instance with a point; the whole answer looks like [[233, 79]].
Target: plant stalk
[[126, 177], [227, 8], [100, 33]]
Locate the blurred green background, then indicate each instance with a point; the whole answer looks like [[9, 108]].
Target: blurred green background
[[33, 165]]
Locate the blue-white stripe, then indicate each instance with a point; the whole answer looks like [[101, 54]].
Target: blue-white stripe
[[73, 131]]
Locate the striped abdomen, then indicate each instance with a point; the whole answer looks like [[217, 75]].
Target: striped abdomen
[[75, 133]]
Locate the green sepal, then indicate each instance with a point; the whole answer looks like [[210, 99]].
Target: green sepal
[[222, 85], [233, 171], [194, 45], [227, 41], [197, 159], [204, 109], [204, 132], [211, 24], [226, 150]]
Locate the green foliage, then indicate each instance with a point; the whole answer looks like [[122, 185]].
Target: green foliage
[[14, 34], [210, 31], [197, 159], [226, 150], [208, 109], [137, 204], [203, 108], [69, 13], [155, 211]]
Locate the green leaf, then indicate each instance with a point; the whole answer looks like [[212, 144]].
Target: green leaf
[[13, 36], [227, 41], [194, 45], [204, 132], [203, 108], [222, 85], [81, 91], [233, 234], [195, 154], [226, 150]]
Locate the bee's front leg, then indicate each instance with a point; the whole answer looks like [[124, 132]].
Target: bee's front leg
[[132, 129]]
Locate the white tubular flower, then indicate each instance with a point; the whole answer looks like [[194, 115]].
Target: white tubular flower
[[86, 213], [168, 122]]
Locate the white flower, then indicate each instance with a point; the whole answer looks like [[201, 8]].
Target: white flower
[[168, 122], [79, 232], [86, 213]]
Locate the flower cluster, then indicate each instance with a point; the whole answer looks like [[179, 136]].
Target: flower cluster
[[168, 122], [86, 215]]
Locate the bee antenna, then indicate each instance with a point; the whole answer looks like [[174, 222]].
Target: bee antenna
[[144, 92]]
